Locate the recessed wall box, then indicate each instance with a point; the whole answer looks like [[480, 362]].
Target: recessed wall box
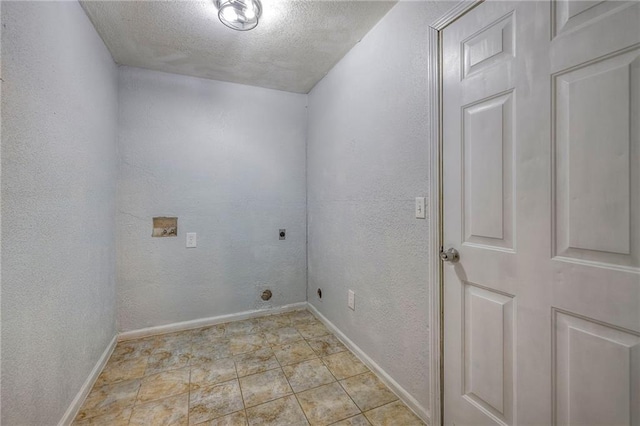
[[165, 227]]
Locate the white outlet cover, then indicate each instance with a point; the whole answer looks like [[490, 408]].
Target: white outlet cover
[[191, 240], [352, 300]]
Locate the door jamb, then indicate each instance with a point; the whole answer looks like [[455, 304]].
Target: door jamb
[[436, 229]]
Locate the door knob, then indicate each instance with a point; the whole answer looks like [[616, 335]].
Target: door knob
[[450, 255]]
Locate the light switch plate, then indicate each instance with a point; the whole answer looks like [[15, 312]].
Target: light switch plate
[[352, 300], [420, 208], [191, 240]]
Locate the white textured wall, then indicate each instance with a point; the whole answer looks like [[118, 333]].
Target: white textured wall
[[229, 161], [59, 116], [367, 160]]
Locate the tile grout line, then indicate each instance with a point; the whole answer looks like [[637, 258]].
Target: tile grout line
[[386, 388], [189, 385], [293, 392], [189, 391], [135, 400], [320, 357], [340, 384], [244, 405], [345, 391]]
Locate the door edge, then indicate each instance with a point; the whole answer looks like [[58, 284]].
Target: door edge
[[436, 211]]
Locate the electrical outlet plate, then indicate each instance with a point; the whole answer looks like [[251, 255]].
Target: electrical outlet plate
[[191, 240], [352, 300]]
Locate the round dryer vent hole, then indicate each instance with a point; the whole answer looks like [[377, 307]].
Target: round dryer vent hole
[[266, 295]]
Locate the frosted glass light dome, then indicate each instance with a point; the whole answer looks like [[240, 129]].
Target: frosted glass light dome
[[240, 15]]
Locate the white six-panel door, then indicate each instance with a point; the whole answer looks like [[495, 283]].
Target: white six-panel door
[[541, 159]]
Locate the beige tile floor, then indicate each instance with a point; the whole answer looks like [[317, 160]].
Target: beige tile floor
[[285, 369]]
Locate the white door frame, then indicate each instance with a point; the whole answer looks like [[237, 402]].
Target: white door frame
[[436, 281]]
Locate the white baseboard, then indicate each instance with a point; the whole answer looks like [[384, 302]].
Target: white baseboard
[[204, 322], [77, 402], [400, 392]]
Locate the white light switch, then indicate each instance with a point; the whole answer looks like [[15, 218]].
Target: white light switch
[[352, 300], [191, 239], [420, 208]]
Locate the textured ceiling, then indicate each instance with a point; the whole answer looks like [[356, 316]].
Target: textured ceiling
[[294, 46]]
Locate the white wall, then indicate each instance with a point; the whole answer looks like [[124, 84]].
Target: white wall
[[59, 104], [368, 152], [229, 161]]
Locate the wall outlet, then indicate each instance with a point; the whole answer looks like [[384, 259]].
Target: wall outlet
[[191, 240], [352, 300], [420, 208]]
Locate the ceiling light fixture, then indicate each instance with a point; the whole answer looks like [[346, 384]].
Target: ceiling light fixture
[[240, 15]]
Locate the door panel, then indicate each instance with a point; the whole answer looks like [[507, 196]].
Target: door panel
[[594, 177], [594, 367], [541, 152], [490, 46], [488, 351], [568, 15], [599, 31], [488, 171]]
